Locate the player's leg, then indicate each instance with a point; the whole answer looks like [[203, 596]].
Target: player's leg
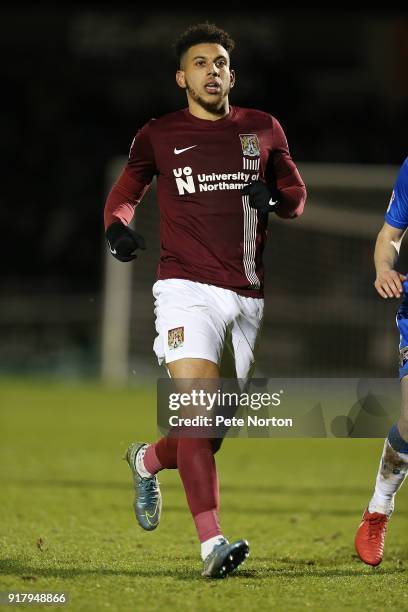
[[392, 470], [245, 334], [186, 329], [197, 469], [204, 326], [244, 318], [190, 341], [394, 461], [196, 456], [195, 460], [181, 314], [241, 341], [163, 453]]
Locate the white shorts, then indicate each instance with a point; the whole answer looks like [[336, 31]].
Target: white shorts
[[198, 320]]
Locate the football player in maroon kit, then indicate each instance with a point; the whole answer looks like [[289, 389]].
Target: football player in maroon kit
[[220, 171]]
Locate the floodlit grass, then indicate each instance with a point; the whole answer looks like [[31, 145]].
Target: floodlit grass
[[66, 521]]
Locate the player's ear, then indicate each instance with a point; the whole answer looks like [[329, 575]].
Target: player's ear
[[232, 76], [181, 79]]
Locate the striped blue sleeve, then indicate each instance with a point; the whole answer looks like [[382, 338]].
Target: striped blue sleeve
[[397, 211]]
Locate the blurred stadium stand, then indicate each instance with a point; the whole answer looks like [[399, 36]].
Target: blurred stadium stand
[[79, 83]]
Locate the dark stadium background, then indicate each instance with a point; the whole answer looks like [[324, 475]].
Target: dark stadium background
[[78, 82]]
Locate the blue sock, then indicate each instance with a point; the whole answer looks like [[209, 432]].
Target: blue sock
[[396, 441]]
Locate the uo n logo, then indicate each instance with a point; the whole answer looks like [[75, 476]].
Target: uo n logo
[[184, 180]]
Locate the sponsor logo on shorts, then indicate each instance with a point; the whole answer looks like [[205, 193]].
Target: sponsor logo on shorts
[[403, 356], [176, 337]]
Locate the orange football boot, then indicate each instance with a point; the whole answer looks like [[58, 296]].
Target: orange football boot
[[370, 536]]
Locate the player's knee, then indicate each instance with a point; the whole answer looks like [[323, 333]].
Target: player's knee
[[190, 368]]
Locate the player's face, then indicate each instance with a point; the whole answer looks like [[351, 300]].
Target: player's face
[[206, 75]]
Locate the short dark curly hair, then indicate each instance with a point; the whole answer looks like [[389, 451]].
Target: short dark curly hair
[[202, 33]]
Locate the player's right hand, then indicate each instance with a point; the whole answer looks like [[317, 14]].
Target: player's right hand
[[389, 283], [123, 241], [263, 198]]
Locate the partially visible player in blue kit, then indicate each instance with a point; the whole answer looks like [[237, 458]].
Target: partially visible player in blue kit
[[393, 467]]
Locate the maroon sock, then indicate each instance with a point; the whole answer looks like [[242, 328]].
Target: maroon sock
[[161, 455], [196, 465]]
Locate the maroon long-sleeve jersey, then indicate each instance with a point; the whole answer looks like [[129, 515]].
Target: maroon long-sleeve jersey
[[208, 231]]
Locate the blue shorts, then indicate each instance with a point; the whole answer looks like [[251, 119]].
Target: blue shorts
[[402, 324]]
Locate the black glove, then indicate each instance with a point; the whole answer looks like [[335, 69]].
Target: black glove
[[261, 197], [123, 241]]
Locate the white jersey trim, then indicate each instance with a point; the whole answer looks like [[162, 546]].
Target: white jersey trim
[[250, 224]]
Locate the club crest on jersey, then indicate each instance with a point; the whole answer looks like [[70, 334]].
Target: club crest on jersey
[[176, 337], [250, 144]]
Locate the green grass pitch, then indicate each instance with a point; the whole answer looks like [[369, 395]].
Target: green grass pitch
[[67, 524]]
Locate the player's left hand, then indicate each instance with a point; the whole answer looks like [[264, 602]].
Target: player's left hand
[[261, 197]]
